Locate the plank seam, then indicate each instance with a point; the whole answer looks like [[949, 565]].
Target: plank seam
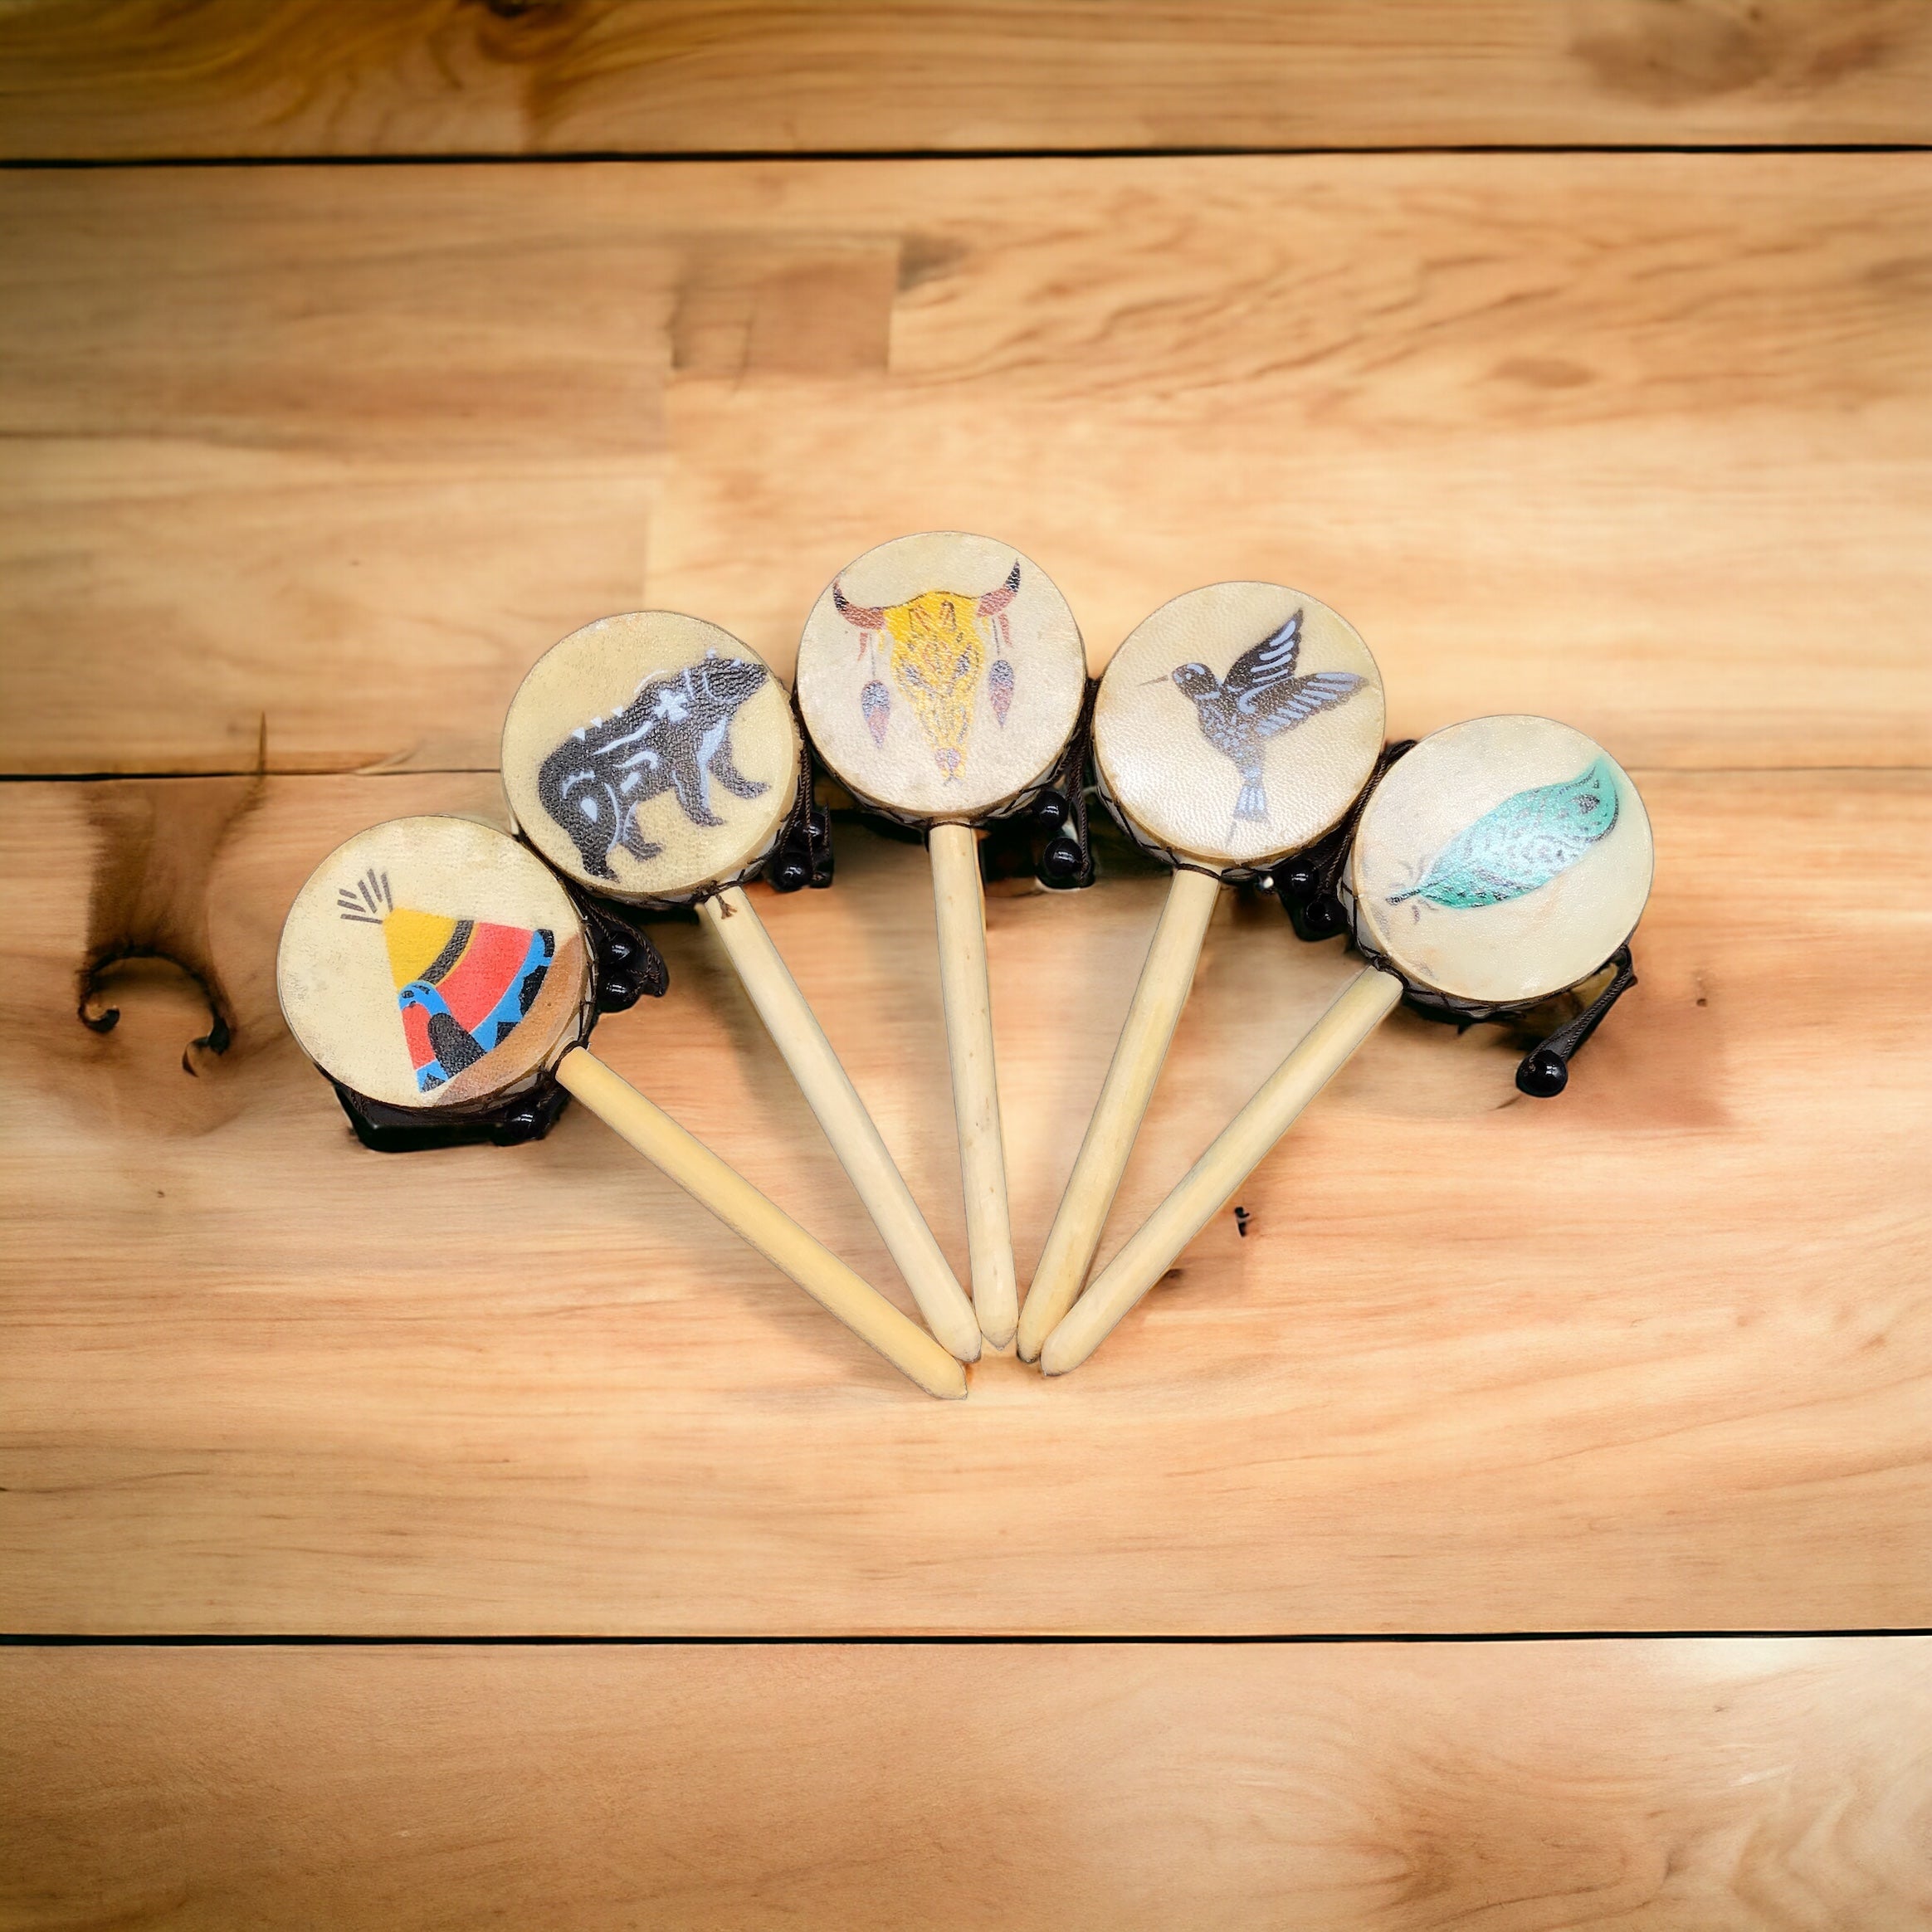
[[765, 156], [176, 1640]]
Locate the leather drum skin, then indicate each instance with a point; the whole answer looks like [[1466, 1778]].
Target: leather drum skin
[[940, 676], [651, 757], [433, 962], [1237, 723], [1502, 861]]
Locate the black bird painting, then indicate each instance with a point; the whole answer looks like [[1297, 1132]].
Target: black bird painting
[[1260, 698], [673, 736]]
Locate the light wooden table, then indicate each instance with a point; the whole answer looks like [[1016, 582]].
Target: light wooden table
[[304, 465]]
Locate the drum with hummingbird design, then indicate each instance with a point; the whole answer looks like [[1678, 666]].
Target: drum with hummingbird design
[[1237, 724]]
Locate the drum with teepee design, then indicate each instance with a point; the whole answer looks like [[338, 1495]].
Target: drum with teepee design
[[433, 963]]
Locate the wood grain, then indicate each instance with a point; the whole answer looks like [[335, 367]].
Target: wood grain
[[1729, 1786], [138, 79], [1651, 1356], [304, 468]]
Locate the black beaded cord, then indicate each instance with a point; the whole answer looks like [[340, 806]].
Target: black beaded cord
[[801, 855], [1306, 881], [1544, 1072], [1309, 884], [625, 967], [1060, 809]]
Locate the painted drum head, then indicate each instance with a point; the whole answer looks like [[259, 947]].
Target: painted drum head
[[941, 676], [651, 756], [1502, 860], [432, 963], [1238, 723]]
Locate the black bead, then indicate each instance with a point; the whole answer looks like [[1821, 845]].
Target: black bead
[[1052, 810], [1296, 881], [1322, 918], [1543, 1075], [1062, 861], [789, 874]]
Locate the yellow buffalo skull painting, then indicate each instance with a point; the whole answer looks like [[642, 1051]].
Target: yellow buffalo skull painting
[[936, 646]]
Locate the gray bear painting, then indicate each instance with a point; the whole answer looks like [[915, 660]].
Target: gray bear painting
[[675, 735]]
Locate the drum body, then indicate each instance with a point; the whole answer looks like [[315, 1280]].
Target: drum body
[[432, 963], [1237, 724], [651, 758], [940, 677], [1499, 861]]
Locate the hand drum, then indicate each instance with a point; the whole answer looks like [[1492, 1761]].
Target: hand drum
[[1501, 861], [654, 759], [434, 963], [1235, 725], [940, 677], [650, 757]]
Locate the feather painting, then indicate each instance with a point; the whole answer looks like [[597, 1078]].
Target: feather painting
[[1521, 844]]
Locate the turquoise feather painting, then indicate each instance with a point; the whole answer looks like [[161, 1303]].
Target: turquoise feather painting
[[1521, 844]]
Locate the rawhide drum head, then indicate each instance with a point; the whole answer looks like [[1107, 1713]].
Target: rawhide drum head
[[941, 676], [651, 756], [432, 963], [1238, 723], [1500, 860]]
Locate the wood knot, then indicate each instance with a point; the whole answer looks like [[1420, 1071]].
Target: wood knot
[[157, 842]]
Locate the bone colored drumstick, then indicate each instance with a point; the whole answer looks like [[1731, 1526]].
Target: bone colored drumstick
[[941, 677], [1244, 1142], [652, 759], [726, 1193], [828, 1090], [1235, 725], [959, 909], [434, 967], [1151, 1020], [1501, 861]]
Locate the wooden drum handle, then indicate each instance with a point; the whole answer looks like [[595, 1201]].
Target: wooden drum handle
[[1163, 991], [1360, 1007], [959, 904], [713, 1184], [855, 1140]]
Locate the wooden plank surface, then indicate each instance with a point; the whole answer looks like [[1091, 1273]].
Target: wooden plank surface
[[302, 467], [305, 466], [1731, 1786], [130, 79], [1652, 1356]]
